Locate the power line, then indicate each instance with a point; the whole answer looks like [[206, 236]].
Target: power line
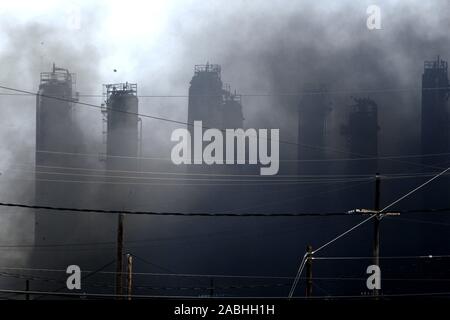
[[151, 263], [183, 275], [185, 184], [436, 223], [314, 283], [89, 274], [193, 275], [343, 234], [383, 210], [223, 287], [258, 178], [141, 296], [228, 287], [367, 158], [220, 181], [303, 262], [191, 124], [52, 208], [79, 295], [225, 276], [270, 94], [206, 182], [127, 243], [384, 279], [93, 246], [385, 258], [428, 210], [200, 214], [265, 204], [387, 175], [380, 296], [414, 190], [103, 108], [297, 277]]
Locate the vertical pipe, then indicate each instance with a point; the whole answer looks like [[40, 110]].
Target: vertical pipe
[[129, 275], [309, 271], [211, 287], [119, 262], [376, 226], [27, 288]]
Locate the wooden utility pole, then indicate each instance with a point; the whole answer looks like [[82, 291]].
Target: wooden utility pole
[[375, 213], [27, 288], [129, 275], [211, 287], [309, 281], [376, 226], [119, 262]]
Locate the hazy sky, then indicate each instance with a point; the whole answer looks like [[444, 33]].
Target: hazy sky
[[263, 46]]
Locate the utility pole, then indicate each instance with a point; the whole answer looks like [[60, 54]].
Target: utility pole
[[27, 288], [211, 287], [129, 275], [309, 271], [375, 213], [376, 226], [119, 263]]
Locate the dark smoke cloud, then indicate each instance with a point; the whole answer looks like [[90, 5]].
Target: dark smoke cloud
[[28, 48], [278, 47], [263, 47]]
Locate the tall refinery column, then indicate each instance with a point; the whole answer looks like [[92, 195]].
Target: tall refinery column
[[56, 139], [122, 140], [122, 135], [435, 129], [205, 100], [213, 103], [363, 135], [233, 118], [362, 138], [205, 95], [54, 125], [313, 110]]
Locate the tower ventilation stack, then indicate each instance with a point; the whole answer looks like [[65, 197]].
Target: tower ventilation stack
[[213, 103], [54, 119], [205, 96], [57, 143], [435, 128], [122, 134], [435, 117], [313, 110], [362, 135]]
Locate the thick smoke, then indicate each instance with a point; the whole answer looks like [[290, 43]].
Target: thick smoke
[[28, 48], [271, 47]]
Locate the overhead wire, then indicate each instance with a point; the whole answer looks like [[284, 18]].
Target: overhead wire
[[270, 94], [367, 158], [306, 256], [191, 124]]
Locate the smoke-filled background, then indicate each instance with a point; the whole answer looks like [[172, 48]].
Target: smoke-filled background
[[268, 51]]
